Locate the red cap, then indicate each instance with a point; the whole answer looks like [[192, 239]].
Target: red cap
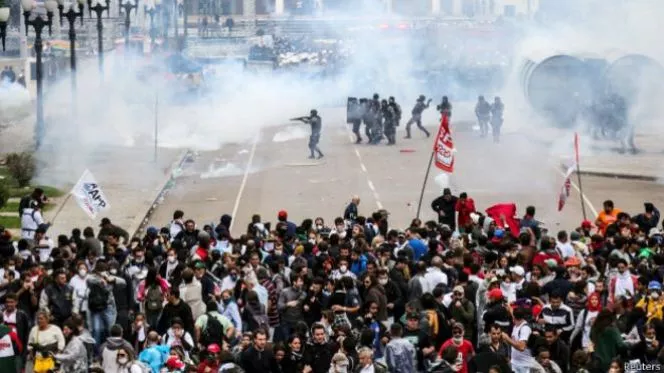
[[282, 214], [586, 224], [495, 294], [174, 362], [213, 348]]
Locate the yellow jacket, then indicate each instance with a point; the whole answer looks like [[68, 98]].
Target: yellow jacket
[[652, 307]]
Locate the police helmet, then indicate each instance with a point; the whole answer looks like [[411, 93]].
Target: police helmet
[[444, 98], [481, 98], [391, 98], [376, 96], [314, 112], [421, 98], [383, 102]]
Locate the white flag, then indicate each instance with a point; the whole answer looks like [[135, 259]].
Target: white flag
[[89, 196], [567, 186]]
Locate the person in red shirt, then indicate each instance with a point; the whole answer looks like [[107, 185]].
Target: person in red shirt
[[464, 206], [213, 361], [464, 346]]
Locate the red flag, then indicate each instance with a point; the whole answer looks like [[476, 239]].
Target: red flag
[[576, 147], [444, 147], [504, 214]]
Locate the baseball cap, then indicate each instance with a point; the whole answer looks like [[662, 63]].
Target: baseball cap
[[586, 224], [105, 221], [283, 214], [518, 270], [495, 294], [213, 348], [413, 316]]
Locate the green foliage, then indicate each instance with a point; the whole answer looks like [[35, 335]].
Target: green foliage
[[22, 167], [4, 192]]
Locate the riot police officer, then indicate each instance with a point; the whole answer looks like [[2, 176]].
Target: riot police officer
[[445, 108], [316, 125], [497, 118], [367, 118], [397, 110], [355, 111], [377, 130], [483, 113], [389, 117], [419, 107]]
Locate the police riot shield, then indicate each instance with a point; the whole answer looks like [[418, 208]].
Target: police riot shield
[[352, 106]]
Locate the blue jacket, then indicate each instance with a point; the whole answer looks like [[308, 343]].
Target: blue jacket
[[419, 248], [155, 357], [359, 266]]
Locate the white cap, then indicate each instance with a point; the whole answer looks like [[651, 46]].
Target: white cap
[[518, 270]]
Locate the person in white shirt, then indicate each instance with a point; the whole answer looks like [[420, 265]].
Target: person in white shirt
[[10, 266], [511, 288], [343, 271], [80, 285], [435, 275], [563, 246], [521, 356], [31, 219], [177, 224]]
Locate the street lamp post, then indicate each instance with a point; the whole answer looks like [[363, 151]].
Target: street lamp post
[[38, 23], [99, 10], [127, 6], [151, 11], [71, 16], [4, 17]]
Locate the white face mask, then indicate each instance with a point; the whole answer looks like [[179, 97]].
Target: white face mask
[[457, 340], [654, 295], [113, 271], [172, 259], [82, 272], [11, 268], [319, 227], [382, 281], [343, 269], [122, 360]]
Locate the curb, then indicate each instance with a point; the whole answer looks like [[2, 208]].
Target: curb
[[140, 223], [614, 174]]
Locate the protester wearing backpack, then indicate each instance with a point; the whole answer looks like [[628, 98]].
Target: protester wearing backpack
[[178, 336], [212, 326], [101, 303], [175, 308]]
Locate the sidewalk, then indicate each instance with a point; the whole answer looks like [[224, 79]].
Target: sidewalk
[[602, 157], [130, 180]]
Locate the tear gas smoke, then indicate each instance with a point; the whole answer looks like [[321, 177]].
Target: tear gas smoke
[[387, 57]]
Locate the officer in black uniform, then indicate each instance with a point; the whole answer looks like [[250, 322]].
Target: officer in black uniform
[[397, 110], [389, 118], [378, 126], [316, 125], [355, 118], [420, 106], [445, 108], [483, 113], [367, 118], [497, 110]]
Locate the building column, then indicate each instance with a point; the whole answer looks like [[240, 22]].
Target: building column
[[249, 8], [279, 7], [389, 6], [435, 7]]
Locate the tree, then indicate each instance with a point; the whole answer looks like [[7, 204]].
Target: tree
[[22, 167]]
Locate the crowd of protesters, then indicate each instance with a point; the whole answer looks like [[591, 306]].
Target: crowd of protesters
[[472, 292]]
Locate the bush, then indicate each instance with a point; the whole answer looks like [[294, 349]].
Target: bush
[[22, 167]]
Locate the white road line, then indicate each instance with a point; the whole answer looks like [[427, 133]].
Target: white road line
[[363, 167], [578, 190], [236, 206], [357, 152], [371, 186]]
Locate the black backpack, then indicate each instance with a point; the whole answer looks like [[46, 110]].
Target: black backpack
[[214, 331], [97, 297]]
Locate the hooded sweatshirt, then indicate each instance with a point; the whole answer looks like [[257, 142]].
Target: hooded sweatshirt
[[109, 351], [74, 358], [10, 347]]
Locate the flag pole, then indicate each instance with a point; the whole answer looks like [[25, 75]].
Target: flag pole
[[578, 174], [424, 183], [62, 206]]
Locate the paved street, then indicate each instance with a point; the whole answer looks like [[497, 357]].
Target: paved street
[[244, 179]]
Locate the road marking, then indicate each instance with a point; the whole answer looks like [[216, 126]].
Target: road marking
[[583, 195], [236, 206], [364, 169]]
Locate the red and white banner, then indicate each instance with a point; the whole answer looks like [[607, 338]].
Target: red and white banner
[[444, 147], [567, 185]]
